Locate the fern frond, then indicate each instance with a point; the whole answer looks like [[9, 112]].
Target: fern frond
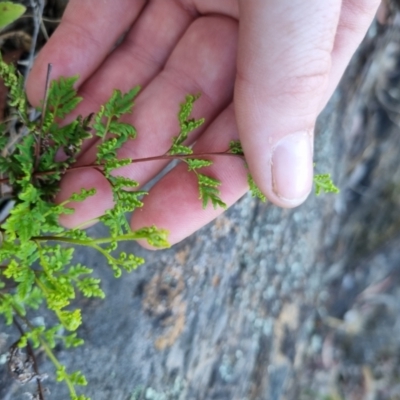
[[324, 184]]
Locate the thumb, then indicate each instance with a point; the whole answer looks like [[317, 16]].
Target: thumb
[[283, 68]]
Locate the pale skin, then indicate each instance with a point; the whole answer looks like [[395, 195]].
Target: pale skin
[[265, 68]]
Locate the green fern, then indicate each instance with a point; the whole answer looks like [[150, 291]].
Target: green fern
[[36, 251], [324, 184], [187, 125]]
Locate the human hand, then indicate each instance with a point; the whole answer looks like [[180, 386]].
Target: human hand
[[283, 63]]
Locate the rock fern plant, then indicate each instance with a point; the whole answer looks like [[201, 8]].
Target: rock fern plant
[[36, 253]]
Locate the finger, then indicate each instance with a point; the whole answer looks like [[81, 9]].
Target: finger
[[138, 59], [87, 33], [141, 55], [203, 61], [355, 19], [174, 204], [284, 62]]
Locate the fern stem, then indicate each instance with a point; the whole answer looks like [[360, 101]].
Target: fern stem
[[57, 364], [32, 355], [139, 160], [46, 349], [93, 242], [43, 116], [167, 157], [107, 128]]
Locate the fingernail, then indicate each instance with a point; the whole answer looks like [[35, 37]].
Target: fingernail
[[292, 168]]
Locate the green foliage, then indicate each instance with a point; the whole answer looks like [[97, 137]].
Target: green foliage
[[187, 125], [255, 191], [107, 119], [194, 163], [208, 187], [235, 147], [209, 191], [62, 99], [10, 12], [75, 378], [36, 253], [15, 83], [324, 184]]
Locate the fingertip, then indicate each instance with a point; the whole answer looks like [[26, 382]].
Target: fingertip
[[292, 168], [35, 85], [284, 173], [85, 37], [36, 81]]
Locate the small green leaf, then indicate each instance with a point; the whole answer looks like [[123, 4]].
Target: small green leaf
[[235, 147], [179, 149], [155, 237], [324, 183], [10, 12], [123, 129], [255, 191], [82, 195], [70, 319], [90, 287], [77, 378], [121, 182], [110, 165], [205, 180], [72, 341], [62, 98], [15, 82], [194, 163], [187, 125], [186, 108], [208, 190], [120, 104], [7, 308]]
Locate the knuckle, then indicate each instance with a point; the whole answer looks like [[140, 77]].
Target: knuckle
[[362, 7], [79, 33], [309, 78], [354, 12], [303, 84]]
